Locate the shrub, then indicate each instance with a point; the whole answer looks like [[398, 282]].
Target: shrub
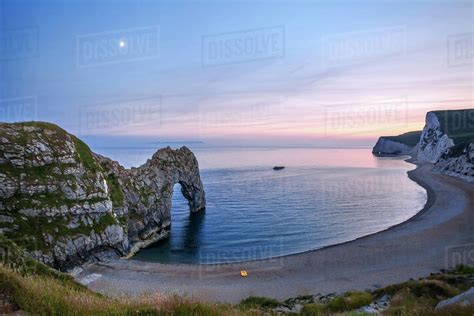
[[429, 288], [349, 301], [259, 302], [463, 270], [47, 295], [313, 310]]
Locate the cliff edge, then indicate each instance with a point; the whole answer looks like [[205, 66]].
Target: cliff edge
[[66, 205], [404, 144], [447, 141], [443, 130]]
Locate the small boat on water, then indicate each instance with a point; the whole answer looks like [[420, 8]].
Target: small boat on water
[[278, 168]]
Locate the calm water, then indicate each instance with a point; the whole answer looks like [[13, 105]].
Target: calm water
[[322, 197]]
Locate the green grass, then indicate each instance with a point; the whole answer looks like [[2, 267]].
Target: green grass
[[314, 309], [420, 297], [54, 173], [12, 257], [115, 192], [40, 174], [407, 303], [349, 301], [41, 125], [462, 270], [37, 289], [30, 232], [457, 124], [428, 288], [301, 299], [259, 302], [56, 136], [47, 200], [58, 139], [40, 290], [42, 295], [415, 297], [85, 156]]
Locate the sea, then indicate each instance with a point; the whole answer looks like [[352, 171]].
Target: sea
[[323, 196]]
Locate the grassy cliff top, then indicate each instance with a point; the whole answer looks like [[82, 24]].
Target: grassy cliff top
[[84, 153], [409, 139], [38, 124], [457, 124]]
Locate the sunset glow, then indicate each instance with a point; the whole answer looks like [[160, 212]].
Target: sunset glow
[[304, 81]]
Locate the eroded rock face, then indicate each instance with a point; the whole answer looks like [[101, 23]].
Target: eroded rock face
[[387, 147], [433, 141], [458, 162], [148, 191], [66, 205]]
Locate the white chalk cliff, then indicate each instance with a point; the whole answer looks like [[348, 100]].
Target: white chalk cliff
[[390, 147], [433, 141], [447, 141]]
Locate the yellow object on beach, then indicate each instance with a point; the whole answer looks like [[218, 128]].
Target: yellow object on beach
[[243, 273]]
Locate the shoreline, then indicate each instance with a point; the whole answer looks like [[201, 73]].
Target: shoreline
[[430, 197], [334, 268]]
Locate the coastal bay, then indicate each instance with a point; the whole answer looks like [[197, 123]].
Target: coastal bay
[[438, 237]]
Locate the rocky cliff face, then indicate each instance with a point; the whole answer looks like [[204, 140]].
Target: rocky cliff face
[[458, 161], [447, 140], [66, 205], [405, 144], [389, 147], [148, 191], [434, 141]]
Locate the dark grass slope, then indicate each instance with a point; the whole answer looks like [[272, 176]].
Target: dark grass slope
[[409, 139], [457, 124]]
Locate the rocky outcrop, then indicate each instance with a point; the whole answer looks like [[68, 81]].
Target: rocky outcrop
[[458, 161], [434, 141], [443, 130], [148, 191], [463, 299], [404, 144], [65, 205]]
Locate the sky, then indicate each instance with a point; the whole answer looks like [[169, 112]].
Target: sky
[[270, 73]]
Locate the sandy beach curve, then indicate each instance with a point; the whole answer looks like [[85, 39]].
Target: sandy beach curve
[[440, 236]]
